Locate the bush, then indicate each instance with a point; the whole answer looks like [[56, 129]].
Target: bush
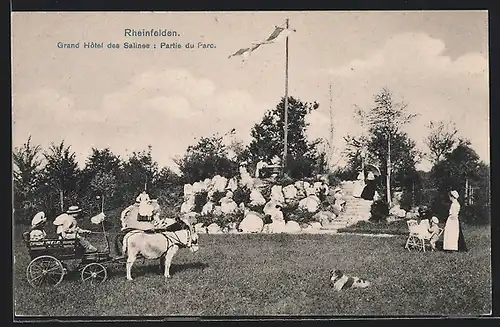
[[222, 220], [206, 220], [300, 168], [334, 179], [301, 216], [256, 208], [241, 194], [290, 207], [379, 211], [266, 192], [284, 180], [200, 199], [217, 196], [475, 214]]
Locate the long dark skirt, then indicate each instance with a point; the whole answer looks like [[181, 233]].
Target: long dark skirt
[[462, 246], [369, 191]]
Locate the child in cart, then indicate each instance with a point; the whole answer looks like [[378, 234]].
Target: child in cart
[[67, 228], [37, 232]]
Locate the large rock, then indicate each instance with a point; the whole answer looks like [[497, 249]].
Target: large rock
[[232, 184], [188, 204], [231, 228], [252, 223], [270, 207], [309, 189], [324, 217], [213, 228], [227, 204], [311, 203], [312, 227], [318, 186], [200, 229], [188, 190], [256, 198], [207, 208], [292, 227], [220, 183], [197, 187], [299, 185], [245, 179], [290, 192], [275, 227], [277, 193], [397, 211]]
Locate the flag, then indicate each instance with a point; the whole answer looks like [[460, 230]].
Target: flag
[[277, 35], [98, 219], [245, 52]]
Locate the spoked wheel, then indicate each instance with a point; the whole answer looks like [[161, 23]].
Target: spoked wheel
[[45, 271], [94, 273]]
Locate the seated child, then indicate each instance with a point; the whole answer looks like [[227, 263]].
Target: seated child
[[434, 231], [37, 232]]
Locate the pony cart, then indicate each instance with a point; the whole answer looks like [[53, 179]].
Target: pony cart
[[49, 256]]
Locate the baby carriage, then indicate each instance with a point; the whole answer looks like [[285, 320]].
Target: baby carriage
[[419, 237]]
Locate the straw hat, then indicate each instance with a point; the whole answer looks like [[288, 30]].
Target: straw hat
[[73, 209], [38, 219], [454, 194]]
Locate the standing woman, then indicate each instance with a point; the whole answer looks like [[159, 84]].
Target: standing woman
[[453, 236]]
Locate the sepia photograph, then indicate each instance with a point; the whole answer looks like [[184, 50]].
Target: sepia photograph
[[250, 164]]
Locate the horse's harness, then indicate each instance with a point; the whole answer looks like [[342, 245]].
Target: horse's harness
[[176, 238], [171, 239]]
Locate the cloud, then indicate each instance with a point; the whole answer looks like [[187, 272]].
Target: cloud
[[166, 109], [415, 67]]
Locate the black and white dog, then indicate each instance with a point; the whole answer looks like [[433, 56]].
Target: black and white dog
[[339, 281]]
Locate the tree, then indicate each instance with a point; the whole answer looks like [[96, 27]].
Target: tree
[[169, 189], [207, 158], [139, 172], [101, 176], [385, 120], [460, 169], [402, 156], [27, 168], [441, 139], [102, 161], [61, 171], [268, 138]]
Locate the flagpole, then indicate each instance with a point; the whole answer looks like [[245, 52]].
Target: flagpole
[[285, 141]]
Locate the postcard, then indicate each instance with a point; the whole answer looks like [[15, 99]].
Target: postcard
[[251, 164]]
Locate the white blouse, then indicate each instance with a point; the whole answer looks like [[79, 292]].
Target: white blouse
[[454, 209]]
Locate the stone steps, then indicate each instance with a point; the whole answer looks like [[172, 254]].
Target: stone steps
[[356, 209]]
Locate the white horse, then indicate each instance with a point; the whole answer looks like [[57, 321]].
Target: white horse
[[158, 245]]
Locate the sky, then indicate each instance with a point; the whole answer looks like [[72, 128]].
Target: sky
[[126, 99]]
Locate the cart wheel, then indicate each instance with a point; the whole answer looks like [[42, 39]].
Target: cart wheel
[[45, 271], [94, 273]]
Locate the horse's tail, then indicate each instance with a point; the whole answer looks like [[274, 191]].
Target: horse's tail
[[124, 245], [119, 243]]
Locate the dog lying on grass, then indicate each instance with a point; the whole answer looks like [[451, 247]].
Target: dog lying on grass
[[340, 282]]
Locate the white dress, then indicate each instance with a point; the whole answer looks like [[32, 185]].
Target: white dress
[[451, 229], [359, 185]]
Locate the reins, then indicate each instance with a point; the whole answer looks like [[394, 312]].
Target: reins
[[177, 238]]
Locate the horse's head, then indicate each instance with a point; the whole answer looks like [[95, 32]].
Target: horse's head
[[194, 242], [191, 237]]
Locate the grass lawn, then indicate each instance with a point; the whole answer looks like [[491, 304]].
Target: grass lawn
[[278, 275], [398, 227]]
